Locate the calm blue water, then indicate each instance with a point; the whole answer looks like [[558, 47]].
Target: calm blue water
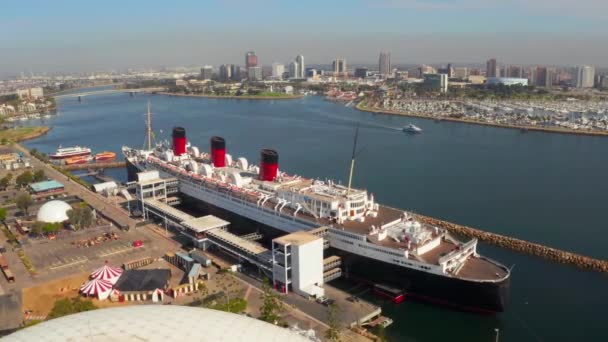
[[546, 188]]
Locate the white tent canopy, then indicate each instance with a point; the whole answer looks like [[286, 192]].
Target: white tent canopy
[[97, 287]]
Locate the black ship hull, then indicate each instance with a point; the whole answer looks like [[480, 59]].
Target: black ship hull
[[475, 296], [482, 297]]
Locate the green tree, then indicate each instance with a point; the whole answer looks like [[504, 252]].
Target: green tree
[[74, 217], [86, 217], [24, 201], [333, 321], [39, 176], [4, 182], [272, 304], [2, 214], [67, 306], [50, 227], [24, 179], [4, 141], [38, 228]]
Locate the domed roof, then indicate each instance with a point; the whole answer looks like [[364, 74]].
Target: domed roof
[[53, 211], [156, 323]]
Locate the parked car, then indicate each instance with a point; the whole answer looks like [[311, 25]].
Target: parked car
[[138, 243]]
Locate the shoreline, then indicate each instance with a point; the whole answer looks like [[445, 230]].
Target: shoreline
[[233, 97], [37, 132], [490, 124]]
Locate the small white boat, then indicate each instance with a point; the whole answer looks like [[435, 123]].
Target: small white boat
[[411, 128]]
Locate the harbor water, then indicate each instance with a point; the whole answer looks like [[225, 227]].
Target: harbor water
[[546, 188]]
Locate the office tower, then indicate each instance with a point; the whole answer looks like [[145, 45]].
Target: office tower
[[293, 69], [461, 73], [300, 67], [311, 72], [225, 72], [251, 60], [492, 68], [384, 63], [339, 66], [361, 72], [278, 70], [438, 82], [514, 71], [235, 72], [545, 77], [254, 73], [206, 72], [585, 76]]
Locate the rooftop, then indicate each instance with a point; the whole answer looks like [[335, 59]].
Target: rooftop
[[143, 280], [157, 323], [46, 186], [297, 238], [205, 223]]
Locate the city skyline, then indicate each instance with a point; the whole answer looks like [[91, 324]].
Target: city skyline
[[121, 35]]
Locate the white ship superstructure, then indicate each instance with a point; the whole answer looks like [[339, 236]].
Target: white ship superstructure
[[355, 223]]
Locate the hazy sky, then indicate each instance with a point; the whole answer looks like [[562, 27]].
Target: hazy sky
[[66, 35]]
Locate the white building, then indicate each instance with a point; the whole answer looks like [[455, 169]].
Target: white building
[[507, 81], [32, 93], [278, 70], [585, 75], [298, 262], [297, 68]]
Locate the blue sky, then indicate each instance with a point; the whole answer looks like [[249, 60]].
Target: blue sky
[[85, 35]]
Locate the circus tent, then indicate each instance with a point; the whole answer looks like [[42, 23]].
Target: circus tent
[[108, 273], [97, 287]]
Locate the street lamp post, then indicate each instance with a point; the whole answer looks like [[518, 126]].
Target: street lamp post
[[497, 333]]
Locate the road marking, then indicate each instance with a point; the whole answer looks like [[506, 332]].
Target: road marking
[[114, 252], [69, 264]]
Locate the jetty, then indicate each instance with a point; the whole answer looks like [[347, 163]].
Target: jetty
[[93, 166], [521, 246]]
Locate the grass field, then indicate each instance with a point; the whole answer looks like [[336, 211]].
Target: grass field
[[22, 133]]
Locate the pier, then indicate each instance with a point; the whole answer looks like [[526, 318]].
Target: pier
[[521, 246], [94, 166]]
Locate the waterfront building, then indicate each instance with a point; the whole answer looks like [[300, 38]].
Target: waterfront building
[[226, 72], [251, 60], [437, 82], [492, 68], [361, 72], [278, 70], [585, 76], [425, 69], [384, 64], [339, 66], [31, 93], [311, 72], [461, 73], [254, 73], [296, 68], [603, 82], [206, 72], [507, 81], [235, 72]]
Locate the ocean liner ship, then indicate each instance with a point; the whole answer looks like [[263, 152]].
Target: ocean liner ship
[[376, 242]]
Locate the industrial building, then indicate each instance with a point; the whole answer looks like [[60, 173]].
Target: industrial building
[[46, 187]]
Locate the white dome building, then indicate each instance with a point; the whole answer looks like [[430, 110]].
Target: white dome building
[[53, 211]]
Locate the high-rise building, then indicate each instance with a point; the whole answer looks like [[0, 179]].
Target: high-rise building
[[255, 73], [251, 60], [545, 77], [514, 71], [300, 72], [311, 72], [235, 72], [339, 66], [278, 70], [437, 82], [206, 72], [225, 72], [384, 63], [361, 73], [293, 69], [585, 76], [492, 68]]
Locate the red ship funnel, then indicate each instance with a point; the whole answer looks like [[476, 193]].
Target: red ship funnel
[[218, 151], [179, 141], [269, 165]]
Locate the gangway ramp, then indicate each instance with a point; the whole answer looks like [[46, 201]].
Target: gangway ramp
[[244, 248], [167, 210]]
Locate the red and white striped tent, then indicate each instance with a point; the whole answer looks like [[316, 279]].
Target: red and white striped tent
[[108, 273], [97, 287]]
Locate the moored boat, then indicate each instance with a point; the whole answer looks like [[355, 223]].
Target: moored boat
[[77, 160], [106, 155], [69, 152]]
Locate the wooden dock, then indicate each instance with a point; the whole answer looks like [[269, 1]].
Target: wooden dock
[[93, 166]]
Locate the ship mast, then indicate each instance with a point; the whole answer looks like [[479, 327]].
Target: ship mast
[[352, 160], [149, 128]]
